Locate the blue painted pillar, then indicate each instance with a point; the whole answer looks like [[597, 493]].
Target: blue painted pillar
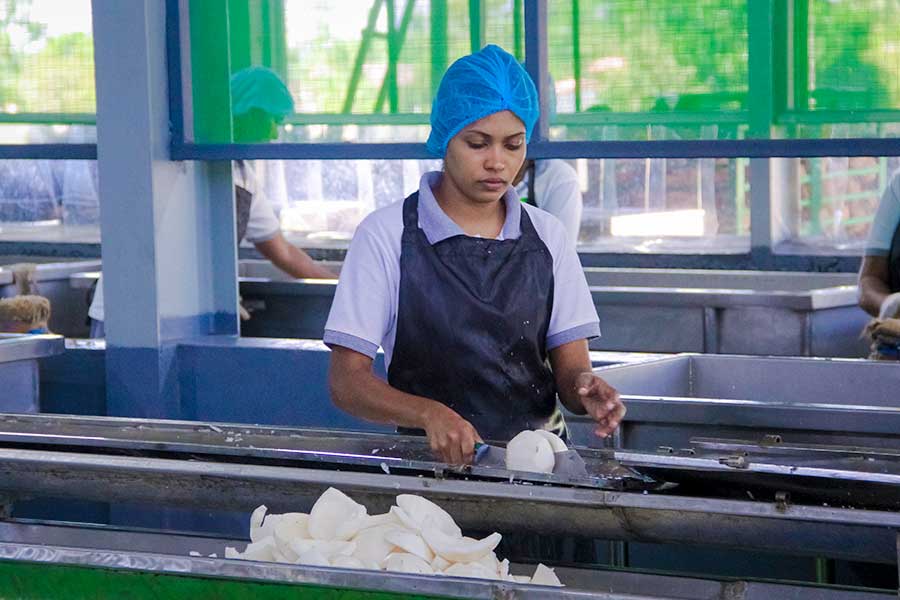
[[168, 231]]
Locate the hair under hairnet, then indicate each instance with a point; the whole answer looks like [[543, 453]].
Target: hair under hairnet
[[262, 88], [475, 86]]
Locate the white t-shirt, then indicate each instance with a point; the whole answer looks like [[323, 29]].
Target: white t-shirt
[[262, 225], [557, 191], [364, 312], [886, 220]]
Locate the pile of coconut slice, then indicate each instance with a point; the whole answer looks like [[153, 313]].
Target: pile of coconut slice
[[416, 536]]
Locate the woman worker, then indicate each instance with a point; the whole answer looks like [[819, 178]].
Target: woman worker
[[879, 274], [478, 300]]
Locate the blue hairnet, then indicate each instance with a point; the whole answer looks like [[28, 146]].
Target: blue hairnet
[[262, 88], [476, 86]]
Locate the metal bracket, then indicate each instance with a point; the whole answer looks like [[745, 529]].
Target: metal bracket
[[736, 461], [782, 500]]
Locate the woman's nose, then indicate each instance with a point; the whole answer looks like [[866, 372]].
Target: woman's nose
[[495, 160]]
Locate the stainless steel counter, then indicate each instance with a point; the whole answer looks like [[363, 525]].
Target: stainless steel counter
[[641, 310], [19, 369]]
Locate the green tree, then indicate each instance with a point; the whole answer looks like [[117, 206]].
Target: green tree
[[60, 77], [15, 25]]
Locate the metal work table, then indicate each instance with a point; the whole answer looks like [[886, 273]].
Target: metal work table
[[19, 368], [641, 310]]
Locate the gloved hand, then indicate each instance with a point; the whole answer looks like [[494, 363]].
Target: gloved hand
[[890, 308]]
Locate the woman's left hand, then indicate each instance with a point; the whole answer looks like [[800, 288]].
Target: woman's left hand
[[601, 401]]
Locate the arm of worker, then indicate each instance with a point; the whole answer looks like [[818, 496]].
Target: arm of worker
[[583, 392], [358, 391], [874, 274], [874, 293], [292, 260]]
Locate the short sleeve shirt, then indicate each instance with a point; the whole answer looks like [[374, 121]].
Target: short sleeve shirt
[[363, 315], [887, 218], [557, 191], [263, 223]]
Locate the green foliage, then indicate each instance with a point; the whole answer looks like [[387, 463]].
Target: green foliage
[[14, 23], [60, 78], [41, 74]]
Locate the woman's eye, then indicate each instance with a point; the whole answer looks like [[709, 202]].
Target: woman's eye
[[476, 145], [513, 146]]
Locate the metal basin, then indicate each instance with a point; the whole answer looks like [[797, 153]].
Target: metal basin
[[804, 400], [728, 312]]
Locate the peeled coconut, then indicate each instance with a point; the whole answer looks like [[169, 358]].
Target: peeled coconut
[[439, 563], [261, 550], [285, 528], [556, 442], [458, 549], [327, 548], [544, 575], [529, 451], [335, 516], [490, 562], [470, 569], [503, 569], [403, 562], [347, 562], [313, 558], [256, 521], [410, 542], [420, 509], [371, 545]]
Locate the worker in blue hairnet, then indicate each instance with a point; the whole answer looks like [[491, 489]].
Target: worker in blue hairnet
[[552, 184], [259, 101], [478, 300]]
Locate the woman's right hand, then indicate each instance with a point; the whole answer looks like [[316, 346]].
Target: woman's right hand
[[890, 307], [451, 437]]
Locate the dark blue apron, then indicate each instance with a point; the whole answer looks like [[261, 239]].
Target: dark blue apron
[[472, 327]]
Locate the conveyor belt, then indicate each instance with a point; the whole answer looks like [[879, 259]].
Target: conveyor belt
[[166, 465], [812, 473], [312, 448]]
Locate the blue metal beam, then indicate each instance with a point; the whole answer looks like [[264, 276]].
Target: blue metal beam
[[49, 151], [758, 148]]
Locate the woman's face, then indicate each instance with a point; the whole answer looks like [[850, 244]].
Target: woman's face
[[483, 158]]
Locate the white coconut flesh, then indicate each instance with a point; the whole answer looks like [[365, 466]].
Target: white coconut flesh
[[544, 575], [331, 514], [529, 451], [371, 545], [420, 509], [410, 542], [256, 521], [347, 562], [402, 562], [556, 442], [458, 549], [471, 569], [416, 536]]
